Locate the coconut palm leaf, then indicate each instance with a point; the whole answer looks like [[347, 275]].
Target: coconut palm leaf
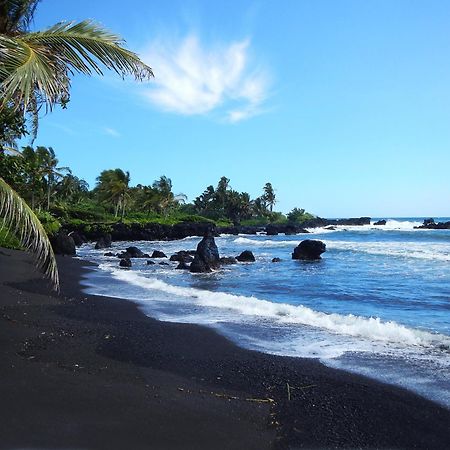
[[16, 14], [21, 221], [36, 67]]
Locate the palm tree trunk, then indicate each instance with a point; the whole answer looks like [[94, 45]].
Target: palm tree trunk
[[48, 196]]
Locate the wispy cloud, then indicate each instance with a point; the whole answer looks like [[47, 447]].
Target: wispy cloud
[[194, 79], [111, 132]]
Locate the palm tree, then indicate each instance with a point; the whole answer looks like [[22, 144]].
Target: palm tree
[[113, 187], [269, 195], [50, 170], [35, 70], [72, 188]]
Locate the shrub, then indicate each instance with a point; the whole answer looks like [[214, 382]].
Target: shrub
[[50, 223]]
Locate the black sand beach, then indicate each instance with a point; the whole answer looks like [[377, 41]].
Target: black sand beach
[[86, 372]]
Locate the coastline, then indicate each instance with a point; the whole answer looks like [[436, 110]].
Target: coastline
[[95, 372]]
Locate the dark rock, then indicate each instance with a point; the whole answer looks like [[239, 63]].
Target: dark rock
[[287, 229], [182, 256], [207, 256], [380, 222], [309, 250], [78, 238], [135, 252], [182, 266], [331, 228], [246, 256], [272, 230], [125, 262], [123, 255], [430, 224], [150, 263], [109, 254], [63, 244], [276, 260], [103, 242], [158, 254], [163, 263], [227, 260]]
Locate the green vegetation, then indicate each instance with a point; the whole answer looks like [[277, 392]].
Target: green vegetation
[[35, 70], [60, 198]]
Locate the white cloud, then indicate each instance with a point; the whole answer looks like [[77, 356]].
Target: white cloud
[[112, 132], [191, 79]]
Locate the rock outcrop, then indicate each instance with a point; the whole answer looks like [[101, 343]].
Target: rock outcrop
[[380, 222], [207, 255], [309, 250], [63, 244], [430, 224]]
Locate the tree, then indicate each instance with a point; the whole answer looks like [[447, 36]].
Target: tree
[[35, 70], [269, 196], [113, 187], [71, 188], [298, 215], [167, 199], [50, 170]]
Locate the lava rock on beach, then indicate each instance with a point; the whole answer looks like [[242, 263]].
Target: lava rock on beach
[[309, 250], [63, 244], [207, 256]]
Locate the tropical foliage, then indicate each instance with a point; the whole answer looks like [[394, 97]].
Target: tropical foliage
[[35, 70]]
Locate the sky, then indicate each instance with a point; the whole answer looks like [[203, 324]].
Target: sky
[[344, 106]]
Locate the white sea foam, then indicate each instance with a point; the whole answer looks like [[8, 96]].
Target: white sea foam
[[349, 325], [417, 250], [264, 242]]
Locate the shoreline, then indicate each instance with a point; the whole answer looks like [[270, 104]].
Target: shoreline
[[90, 371]]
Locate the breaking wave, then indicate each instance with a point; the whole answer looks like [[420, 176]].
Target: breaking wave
[[350, 325]]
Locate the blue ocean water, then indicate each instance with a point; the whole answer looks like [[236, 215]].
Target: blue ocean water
[[378, 303]]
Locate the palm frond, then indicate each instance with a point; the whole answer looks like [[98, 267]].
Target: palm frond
[[21, 221], [40, 63], [16, 14]]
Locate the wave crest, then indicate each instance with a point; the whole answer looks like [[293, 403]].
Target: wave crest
[[371, 328]]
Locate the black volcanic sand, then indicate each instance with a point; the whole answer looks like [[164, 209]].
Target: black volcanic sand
[[87, 372]]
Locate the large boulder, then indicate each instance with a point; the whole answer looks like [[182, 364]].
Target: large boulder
[[63, 244], [207, 256], [380, 222], [246, 256], [78, 238], [103, 242], [309, 250]]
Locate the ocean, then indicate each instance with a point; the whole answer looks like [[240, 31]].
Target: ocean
[[378, 303]]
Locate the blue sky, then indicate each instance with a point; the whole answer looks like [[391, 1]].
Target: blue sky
[[343, 105]]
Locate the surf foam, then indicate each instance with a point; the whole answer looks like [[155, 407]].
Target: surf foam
[[356, 326]]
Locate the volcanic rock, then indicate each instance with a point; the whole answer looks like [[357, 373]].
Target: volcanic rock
[[309, 250]]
